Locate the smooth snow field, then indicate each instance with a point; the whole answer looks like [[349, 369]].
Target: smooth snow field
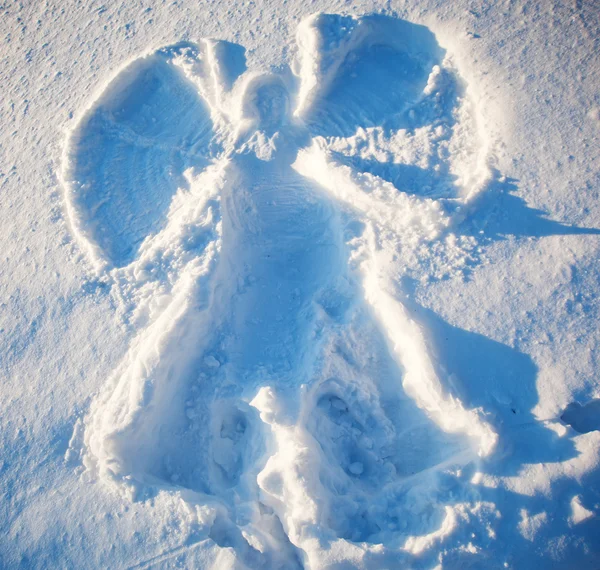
[[300, 286]]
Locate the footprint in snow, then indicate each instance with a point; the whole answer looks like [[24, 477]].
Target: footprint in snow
[[256, 220]]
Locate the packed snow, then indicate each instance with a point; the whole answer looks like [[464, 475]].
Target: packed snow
[[300, 286]]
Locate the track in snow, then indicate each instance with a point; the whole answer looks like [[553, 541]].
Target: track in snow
[[278, 377]]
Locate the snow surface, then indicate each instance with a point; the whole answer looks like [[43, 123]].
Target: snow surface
[[300, 285]]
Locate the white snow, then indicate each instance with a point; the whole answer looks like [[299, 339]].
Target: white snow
[[579, 513], [300, 285]]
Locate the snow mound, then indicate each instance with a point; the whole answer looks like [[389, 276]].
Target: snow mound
[[256, 233]]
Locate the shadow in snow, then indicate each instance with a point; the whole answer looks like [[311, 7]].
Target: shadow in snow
[[407, 178], [487, 374], [500, 212], [583, 419]]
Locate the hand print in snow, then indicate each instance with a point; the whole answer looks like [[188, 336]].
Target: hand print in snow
[[258, 224]]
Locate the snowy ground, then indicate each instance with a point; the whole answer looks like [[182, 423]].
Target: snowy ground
[[300, 285]]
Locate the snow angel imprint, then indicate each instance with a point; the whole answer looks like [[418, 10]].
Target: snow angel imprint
[[254, 227]]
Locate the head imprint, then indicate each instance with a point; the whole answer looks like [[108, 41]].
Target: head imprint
[[266, 102]]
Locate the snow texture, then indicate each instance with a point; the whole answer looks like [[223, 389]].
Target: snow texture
[[284, 394]]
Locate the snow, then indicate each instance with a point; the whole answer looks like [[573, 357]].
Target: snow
[[300, 285]]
